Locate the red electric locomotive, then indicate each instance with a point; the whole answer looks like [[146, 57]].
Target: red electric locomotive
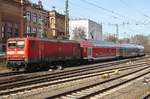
[[34, 53]]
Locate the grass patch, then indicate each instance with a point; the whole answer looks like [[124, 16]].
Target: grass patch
[[2, 56], [3, 66]]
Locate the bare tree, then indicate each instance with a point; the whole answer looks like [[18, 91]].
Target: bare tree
[[139, 39], [79, 33], [124, 40], [142, 40], [111, 38]]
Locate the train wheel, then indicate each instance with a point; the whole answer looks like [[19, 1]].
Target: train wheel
[[60, 67], [15, 69]]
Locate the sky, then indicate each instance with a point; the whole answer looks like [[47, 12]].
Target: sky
[[132, 16]]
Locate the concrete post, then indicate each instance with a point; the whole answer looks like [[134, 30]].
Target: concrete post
[[0, 30]]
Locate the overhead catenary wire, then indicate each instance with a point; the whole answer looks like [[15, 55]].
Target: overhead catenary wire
[[102, 13], [110, 11], [134, 8]]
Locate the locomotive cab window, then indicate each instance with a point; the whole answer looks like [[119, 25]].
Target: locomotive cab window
[[12, 44], [16, 44], [20, 44]]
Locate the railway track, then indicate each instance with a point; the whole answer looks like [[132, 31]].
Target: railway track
[[91, 90], [13, 77], [18, 76], [147, 96], [24, 79], [76, 76], [8, 74], [117, 62]]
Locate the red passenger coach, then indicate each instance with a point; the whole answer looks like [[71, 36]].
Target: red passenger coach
[[99, 50]]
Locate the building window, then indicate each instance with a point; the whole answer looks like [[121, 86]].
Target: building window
[[28, 16], [16, 30], [9, 30], [45, 32], [45, 20], [52, 21], [28, 29], [3, 32], [34, 30], [39, 30], [39, 20], [35, 18]]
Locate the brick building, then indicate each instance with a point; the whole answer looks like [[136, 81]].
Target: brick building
[[22, 18], [56, 24], [18, 20], [36, 21], [9, 21]]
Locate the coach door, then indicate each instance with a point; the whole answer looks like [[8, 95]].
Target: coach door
[[89, 53]]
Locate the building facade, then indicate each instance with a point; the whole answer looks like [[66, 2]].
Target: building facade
[[9, 21], [22, 18], [56, 24], [91, 29], [36, 20]]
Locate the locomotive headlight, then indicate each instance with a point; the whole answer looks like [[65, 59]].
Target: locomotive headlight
[[10, 52], [20, 52]]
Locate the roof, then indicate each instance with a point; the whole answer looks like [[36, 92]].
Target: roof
[[97, 44], [45, 39], [131, 46]]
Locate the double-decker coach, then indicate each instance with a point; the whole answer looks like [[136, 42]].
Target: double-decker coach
[[99, 50], [131, 50]]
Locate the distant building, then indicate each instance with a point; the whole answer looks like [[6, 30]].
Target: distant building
[[56, 24], [92, 29]]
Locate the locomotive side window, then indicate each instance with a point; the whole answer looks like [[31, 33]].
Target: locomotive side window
[[12, 44], [32, 44]]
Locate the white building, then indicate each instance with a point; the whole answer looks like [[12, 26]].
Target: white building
[[92, 29]]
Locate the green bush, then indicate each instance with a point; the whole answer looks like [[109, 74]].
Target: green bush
[[3, 66], [2, 55]]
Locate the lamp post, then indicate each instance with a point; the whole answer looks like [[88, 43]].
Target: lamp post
[[66, 20], [117, 33], [22, 18]]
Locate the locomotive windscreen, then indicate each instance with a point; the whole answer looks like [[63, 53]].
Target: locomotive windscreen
[[16, 44]]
